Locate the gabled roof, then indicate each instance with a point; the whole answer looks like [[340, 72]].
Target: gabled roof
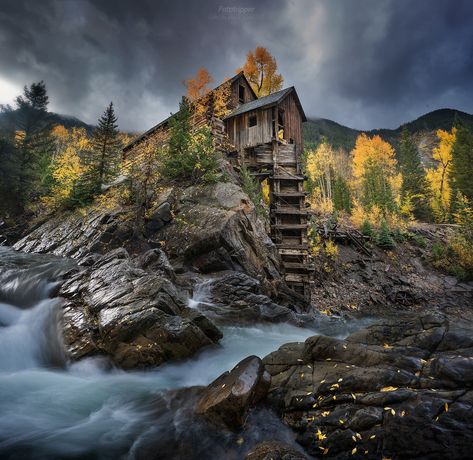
[[268, 101], [150, 131]]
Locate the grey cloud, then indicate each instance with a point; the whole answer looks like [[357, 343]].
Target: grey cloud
[[364, 63]]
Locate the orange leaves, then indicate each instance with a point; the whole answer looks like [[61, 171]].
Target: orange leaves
[[199, 85], [260, 69]]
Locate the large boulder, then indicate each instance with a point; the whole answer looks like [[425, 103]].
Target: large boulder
[[216, 228], [236, 298], [136, 317], [228, 398], [398, 389]]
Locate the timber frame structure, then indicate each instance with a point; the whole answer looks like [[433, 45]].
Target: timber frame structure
[[265, 134]]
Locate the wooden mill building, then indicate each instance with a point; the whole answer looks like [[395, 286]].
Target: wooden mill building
[[265, 134]]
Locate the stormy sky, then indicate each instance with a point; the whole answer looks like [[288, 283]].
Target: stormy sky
[[362, 63]]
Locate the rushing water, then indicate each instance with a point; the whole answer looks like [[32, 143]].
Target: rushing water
[[52, 409]]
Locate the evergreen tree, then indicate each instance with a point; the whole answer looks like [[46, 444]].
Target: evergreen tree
[[376, 188], [190, 154], [341, 195], [8, 174], [384, 239], [178, 162], [29, 128], [461, 176], [367, 228], [104, 156], [414, 181]]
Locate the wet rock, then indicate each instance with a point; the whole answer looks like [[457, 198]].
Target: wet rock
[[216, 228], [159, 218], [237, 298], [135, 316], [397, 389], [156, 260], [75, 235], [273, 450], [227, 399]]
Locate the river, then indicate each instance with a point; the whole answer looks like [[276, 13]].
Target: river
[[52, 409]]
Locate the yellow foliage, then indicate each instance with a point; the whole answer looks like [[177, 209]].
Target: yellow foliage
[[359, 215], [374, 150], [331, 250], [112, 200], [265, 191], [67, 166], [260, 69], [221, 97], [19, 138], [438, 176], [320, 166]]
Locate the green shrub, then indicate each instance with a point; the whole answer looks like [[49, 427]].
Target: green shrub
[[398, 235], [419, 240], [367, 228], [383, 238], [190, 154], [252, 188]]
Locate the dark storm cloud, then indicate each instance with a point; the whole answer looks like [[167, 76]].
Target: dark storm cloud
[[365, 63]]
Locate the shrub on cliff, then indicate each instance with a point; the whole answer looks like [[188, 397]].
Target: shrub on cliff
[[383, 238], [190, 154]]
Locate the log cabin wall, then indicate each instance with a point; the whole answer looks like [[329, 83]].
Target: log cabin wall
[[242, 134], [292, 122], [236, 97]]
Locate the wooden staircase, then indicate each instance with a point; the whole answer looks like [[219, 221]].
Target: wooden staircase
[[289, 217]]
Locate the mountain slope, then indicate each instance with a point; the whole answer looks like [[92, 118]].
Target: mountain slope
[[315, 130], [67, 121]]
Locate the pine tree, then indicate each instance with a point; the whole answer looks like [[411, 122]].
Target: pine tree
[[384, 239], [461, 173], [104, 157], [8, 174], [190, 154], [29, 127], [367, 228], [341, 195], [414, 182]]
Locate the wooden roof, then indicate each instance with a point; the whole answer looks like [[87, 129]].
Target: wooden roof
[[268, 101]]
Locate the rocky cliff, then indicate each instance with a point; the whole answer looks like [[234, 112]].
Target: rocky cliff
[[128, 297]]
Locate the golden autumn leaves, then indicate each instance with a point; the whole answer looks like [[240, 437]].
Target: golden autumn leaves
[[260, 69]]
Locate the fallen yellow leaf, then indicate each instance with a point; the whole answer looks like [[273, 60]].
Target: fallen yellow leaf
[[353, 452], [321, 436], [386, 389], [446, 407]]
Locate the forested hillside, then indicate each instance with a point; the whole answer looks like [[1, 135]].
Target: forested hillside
[[342, 136]]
